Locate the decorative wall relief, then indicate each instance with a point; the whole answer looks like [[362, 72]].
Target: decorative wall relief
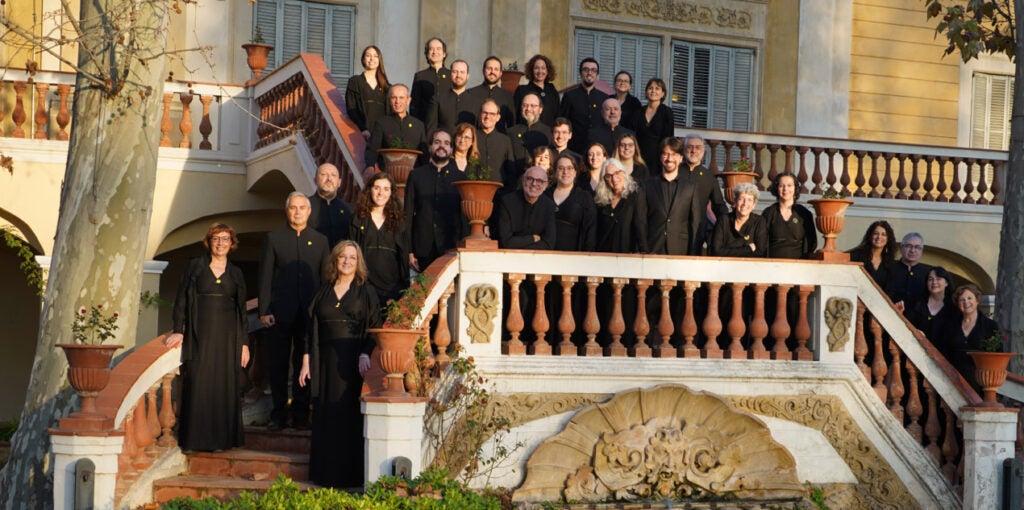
[[481, 307], [676, 11], [838, 314], [520, 408]]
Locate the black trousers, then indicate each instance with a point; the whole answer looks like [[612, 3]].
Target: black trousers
[[284, 347]]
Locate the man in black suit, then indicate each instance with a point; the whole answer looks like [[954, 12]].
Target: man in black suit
[[290, 266], [707, 191], [329, 214], [397, 129], [433, 205], [454, 104], [491, 89], [429, 82], [582, 105], [526, 219], [608, 132], [672, 212]]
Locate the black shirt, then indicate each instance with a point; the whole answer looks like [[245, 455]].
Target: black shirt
[[449, 109], [525, 139], [583, 109], [708, 191], [574, 220], [623, 228], [548, 99], [729, 242], [483, 92], [519, 220], [331, 219], [408, 129], [650, 134], [604, 135], [364, 104], [793, 239], [629, 106], [290, 268], [426, 85], [908, 284], [672, 215], [433, 210], [496, 153]]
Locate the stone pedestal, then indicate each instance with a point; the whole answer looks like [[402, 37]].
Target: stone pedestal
[[989, 434], [393, 428], [69, 449]]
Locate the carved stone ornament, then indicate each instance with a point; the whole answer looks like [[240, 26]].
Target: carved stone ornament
[[662, 442], [675, 11], [481, 307], [838, 313]]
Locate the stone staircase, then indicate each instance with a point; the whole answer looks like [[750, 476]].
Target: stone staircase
[[253, 467]]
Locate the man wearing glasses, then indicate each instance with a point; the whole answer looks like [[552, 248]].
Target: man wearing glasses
[[530, 133], [494, 146], [526, 220], [582, 105], [908, 278], [707, 193]]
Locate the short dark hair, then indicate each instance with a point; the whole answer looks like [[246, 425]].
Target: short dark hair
[[217, 228], [562, 121], [435, 131], [659, 81], [444, 47], [674, 143], [625, 72], [488, 59], [547, 62], [774, 188], [590, 59]]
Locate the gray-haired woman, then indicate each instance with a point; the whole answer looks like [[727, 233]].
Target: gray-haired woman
[[741, 233]]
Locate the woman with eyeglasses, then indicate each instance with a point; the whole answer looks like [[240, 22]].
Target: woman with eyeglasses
[[539, 73], [575, 212], [210, 324], [877, 251], [464, 146], [621, 211], [627, 151], [630, 104]]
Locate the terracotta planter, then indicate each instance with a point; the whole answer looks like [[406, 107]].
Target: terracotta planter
[[990, 372], [510, 80], [397, 356], [88, 371], [398, 163], [257, 56], [477, 205], [830, 218], [731, 179]]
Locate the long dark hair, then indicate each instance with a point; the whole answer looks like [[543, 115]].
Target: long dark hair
[[392, 209], [940, 272], [891, 246], [382, 75]]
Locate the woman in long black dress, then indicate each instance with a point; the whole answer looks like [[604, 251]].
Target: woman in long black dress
[[877, 251], [539, 73], [621, 211], [652, 124], [367, 92], [337, 355], [791, 233], [932, 315], [742, 233], [378, 229], [574, 209], [966, 331], [210, 324]]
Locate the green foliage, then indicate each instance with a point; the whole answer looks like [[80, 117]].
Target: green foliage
[[396, 142], [400, 313], [995, 342], [817, 496], [92, 327], [743, 165], [832, 193], [28, 265], [151, 299], [7, 429], [476, 170], [975, 26]]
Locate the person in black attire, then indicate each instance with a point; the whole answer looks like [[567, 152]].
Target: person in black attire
[[290, 266], [708, 191], [526, 220], [877, 251], [575, 212], [366, 92], [539, 73], [741, 233], [621, 211], [626, 152], [672, 213], [453, 105], [561, 135], [932, 315], [432, 204], [652, 124], [495, 147], [529, 133], [336, 355], [329, 214], [966, 331], [429, 82], [908, 277], [210, 311], [610, 129], [491, 89], [378, 227], [791, 233], [398, 127], [582, 105], [630, 104]]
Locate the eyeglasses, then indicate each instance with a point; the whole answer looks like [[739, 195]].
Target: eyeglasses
[[911, 247], [627, 144], [534, 180], [588, 70], [220, 239], [694, 147]]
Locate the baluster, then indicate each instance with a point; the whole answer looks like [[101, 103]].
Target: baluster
[[540, 323], [590, 324], [514, 323], [816, 176], [860, 181], [942, 186], [745, 153], [205, 126], [787, 158], [773, 170], [443, 337], [712, 323], [616, 325], [802, 333], [950, 450], [758, 166], [18, 115], [873, 181], [665, 327], [167, 419], [844, 178], [186, 120], [896, 389], [728, 145], [982, 182], [758, 325], [878, 368], [41, 115], [780, 327], [566, 323], [932, 428], [736, 327], [713, 156], [831, 178], [860, 343], [802, 177], [142, 436], [152, 420], [929, 183], [887, 190], [955, 185], [915, 181], [901, 180], [969, 181], [641, 327], [63, 117], [129, 450], [689, 324], [165, 124], [914, 407], [994, 187]]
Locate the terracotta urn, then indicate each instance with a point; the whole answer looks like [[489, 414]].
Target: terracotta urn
[[88, 371], [990, 372], [397, 356], [398, 163], [477, 205], [510, 80], [830, 218], [257, 56], [733, 178]]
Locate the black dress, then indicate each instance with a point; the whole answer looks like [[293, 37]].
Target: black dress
[[336, 338], [729, 242], [880, 274], [210, 312], [363, 103], [932, 325], [650, 134], [954, 344], [387, 257], [574, 221], [793, 239], [623, 228]]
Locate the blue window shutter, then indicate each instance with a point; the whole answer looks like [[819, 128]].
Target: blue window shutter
[[712, 86], [294, 26], [640, 55]]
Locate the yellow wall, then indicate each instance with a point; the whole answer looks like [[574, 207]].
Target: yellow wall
[[778, 89]]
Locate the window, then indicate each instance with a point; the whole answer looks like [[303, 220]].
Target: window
[[615, 52], [712, 86], [295, 26], [991, 101]]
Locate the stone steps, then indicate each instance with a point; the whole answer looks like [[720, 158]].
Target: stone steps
[[202, 486]]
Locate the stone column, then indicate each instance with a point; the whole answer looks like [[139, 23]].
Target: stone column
[[69, 449], [393, 427], [398, 36], [989, 434], [149, 316], [823, 68]]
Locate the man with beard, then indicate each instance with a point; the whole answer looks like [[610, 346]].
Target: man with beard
[[706, 191], [582, 105], [495, 147], [491, 89], [432, 204], [396, 130], [526, 220], [454, 104], [672, 214], [610, 129], [429, 82], [530, 133], [329, 214]]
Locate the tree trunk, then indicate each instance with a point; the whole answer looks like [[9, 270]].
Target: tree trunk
[[1009, 299], [104, 217]]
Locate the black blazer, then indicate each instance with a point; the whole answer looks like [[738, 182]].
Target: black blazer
[[574, 220], [670, 226], [433, 209], [363, 103], [624, 228], [408, 129], [290, 269]]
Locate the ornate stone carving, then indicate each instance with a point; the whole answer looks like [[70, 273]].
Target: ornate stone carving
[[662, 442], [838, 313], [676, 11], [520, 408], [481, 307]]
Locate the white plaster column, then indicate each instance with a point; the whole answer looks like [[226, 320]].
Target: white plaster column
[[823, 68], [398, 36], [393, 428], [989, 434], [149, 317], [492, 347], [44, 262], [69, 449], [472, 36]]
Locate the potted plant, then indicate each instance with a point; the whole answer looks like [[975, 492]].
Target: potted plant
[[990, 366], [740, 172], [397, 339], [511, 76], [477, 202], [399, 159], [257, 53], [830, 218], [88, 357]]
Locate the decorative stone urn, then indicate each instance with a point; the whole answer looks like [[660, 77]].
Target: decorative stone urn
[[398, 163], [257, 56], [477, 205], [830, 218], [990, 372], [88, 373], [397, 356], [732, 178]]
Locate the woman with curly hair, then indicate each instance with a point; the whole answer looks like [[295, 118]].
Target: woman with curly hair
[[366, 93], [378, 228], [464, 145], [877, 251], [621, 211], [539, 73]]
